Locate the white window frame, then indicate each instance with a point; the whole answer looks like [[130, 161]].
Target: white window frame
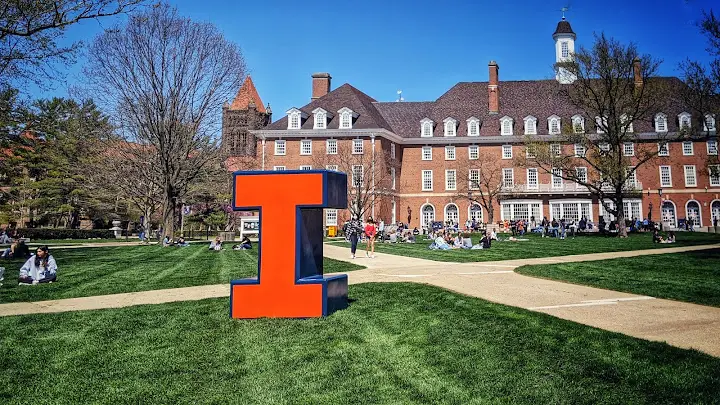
[[663, 151], [530, 152], [709, 118], [506, 126], [667, 183], [627, 122], [554, 120], [579, 150], [331, 147], [507, 148], [584, 177], [564, 49], [555, 149], [604, 146], [426, 128], [345, 120], [684, 120], [473, 152], [508, 182], [358, 147], [426, 180], [306, 144], [714, 180], [712, 147], [530, 125], [331, 217], [305, 167], [295, 117], [690, 169], [278, 168], [529, 184], [320, 121], [598, 122], [578, 119], [473, 179], [280, 147], [450, 180], [661, 119], [473, 124], [426, 153], [355, 174], [450, 152], [450, 126], [629, 149], [332, 167], [688, 148], [392, 178], [392, 151], [557, 180]]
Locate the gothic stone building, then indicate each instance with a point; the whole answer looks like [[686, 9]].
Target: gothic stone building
[[423, 149]]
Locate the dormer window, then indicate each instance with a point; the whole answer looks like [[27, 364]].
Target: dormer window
[[600, 124], [295, 118], [321, 118], [709, 123], [661, 123], [578, 124], [530, 125], [684, 120], [554, 125], [626, 122], [506, 126], [473, 126], [346, 117], [426, 128], [450, 126]]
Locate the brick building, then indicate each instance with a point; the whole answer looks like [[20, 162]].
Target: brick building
[[420, 151]]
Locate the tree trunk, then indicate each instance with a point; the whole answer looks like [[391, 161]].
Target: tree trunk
[[622, 229]]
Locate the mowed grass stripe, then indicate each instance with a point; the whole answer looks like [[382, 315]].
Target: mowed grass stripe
[[396, 343]]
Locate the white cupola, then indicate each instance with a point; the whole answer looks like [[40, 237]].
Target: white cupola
[[564, 48]]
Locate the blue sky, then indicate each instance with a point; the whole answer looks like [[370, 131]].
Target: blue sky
[[422, 47]]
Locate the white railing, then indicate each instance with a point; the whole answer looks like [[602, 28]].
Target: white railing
[[563, 188]]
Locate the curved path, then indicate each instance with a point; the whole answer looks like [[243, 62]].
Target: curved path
[[677, 323]]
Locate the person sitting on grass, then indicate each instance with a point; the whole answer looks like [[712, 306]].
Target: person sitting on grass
[[245, 244], [216, 244], [670, 238], [181, 242], [657, 238], [16, 250], [39, 268], [440, 243], [167, 241]]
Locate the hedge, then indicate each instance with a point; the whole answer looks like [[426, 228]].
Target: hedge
[[59, 233]]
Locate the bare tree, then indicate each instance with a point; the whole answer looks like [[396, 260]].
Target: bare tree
[[615, 87], [480, 182], [165, 79], [368, 175], [29, 30]]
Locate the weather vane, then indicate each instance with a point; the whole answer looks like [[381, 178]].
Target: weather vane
[[400, 97], [564, 9]]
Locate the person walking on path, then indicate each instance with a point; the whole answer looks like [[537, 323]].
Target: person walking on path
[[370, 232], [353, 229]]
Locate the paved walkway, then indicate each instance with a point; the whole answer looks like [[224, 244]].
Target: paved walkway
[[677, 323]]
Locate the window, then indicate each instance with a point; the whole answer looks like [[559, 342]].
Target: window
[[331, 217], [557, 181], [555, 149], [532, 178], [451, 214], [450, 127], [392, 177], [474, 179], [320, 120], [661, 123], [687, 148], [663, 149], [426, 126], [279, 168], [629, 149], [581, 174], [626, 122], [357, 147], [508, 177], [331, 147], [578, 124], [580, 150], [305, 167], [473, 152], [357, 176], [506, 124], [306, 147], [392, 151], [631, 181], [714, 172], [684, 119], [690, 178], [427, 180], [475, 213], [554, 125], [709, 123], [604, 146], [473, 127], [294, 119], [521, 210], [530, 125], [570, 210], [530, 152], [345, 120], [665, 176], [564, 49], [712, 147], [450, 180], [449, 153], [280, 147], [600, 124], [332, 167], [507, 151], [427, 153]]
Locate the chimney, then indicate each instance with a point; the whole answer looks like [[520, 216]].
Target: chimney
[[637, 71], [320, 85], [493, 96]]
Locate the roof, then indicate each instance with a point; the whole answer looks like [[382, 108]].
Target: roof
[[245, 95], [563, 27]]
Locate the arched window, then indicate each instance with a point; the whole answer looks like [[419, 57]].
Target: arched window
[[345, 120], [715, 213], [692, 209], [450, 127], [452, 214], [668, 216], [685, 120], [530, 125], [506, 126], [709, 123], [428, 215], [473, 126], [475, 212], [554, 125], [661, 123], [426, 128], [626, 122], [578, 124]]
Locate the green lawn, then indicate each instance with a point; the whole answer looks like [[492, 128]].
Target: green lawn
[[538, 247], [396, 343], [691, 276], [109, 270]]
